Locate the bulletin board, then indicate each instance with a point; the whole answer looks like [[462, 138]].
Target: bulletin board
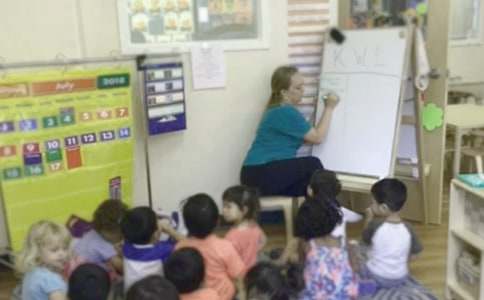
[[66, 144]]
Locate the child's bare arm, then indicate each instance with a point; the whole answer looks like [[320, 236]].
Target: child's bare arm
[[57, 296], [290, 253], [369, 215], [116, 262], [166, 227]]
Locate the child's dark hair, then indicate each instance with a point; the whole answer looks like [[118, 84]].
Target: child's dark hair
[[139, 225], [153, 287], [108, 215], [316, 218], [244, 196], [390, 191], [266, 279], [89, 282], [185, 269], [325, 182], [201, 215]]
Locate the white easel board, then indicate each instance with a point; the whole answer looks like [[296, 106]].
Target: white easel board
[[366, 72]]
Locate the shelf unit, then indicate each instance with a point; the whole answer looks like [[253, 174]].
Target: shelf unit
[[462, 237]]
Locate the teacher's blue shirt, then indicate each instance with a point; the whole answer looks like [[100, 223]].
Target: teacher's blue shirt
[[280, 134]]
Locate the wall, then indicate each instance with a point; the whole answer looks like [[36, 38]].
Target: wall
[[466, 61], [221, 123]]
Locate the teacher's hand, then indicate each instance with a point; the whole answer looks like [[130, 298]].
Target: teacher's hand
[[331, 100]]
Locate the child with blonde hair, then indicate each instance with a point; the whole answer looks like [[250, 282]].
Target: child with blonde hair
[[42, 261]]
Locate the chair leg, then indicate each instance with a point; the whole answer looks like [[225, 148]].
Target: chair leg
[[479, 164], [289, 223]]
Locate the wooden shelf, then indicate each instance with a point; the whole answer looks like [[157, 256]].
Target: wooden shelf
[[469, 237], [460, 236], [456, 288]]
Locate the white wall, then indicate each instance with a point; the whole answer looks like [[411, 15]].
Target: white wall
[[466, 64], [466, 60], [221, 123]]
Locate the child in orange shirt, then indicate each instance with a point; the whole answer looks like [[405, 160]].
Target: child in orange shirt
[[186, 270], [223, 264], [240, 208]]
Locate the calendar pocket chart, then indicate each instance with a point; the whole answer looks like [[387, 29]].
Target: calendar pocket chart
[[64, 138]]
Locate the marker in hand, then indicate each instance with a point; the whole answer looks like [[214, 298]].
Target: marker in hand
[[330, 100]]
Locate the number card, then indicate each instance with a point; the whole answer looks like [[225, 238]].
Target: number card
[[121, 112], [85, 116], [34, 170], [88, 138], [50, 122], [52, 145], [104, 114], [124, 133], [27, 125], [71, 141], [6, 127], [106, 135], [6, 151], [12, 173], [67, 119], [31, 148], [55, 167]]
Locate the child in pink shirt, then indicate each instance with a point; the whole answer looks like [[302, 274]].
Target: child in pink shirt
[[223, 264], [240, 208], [186, 270]]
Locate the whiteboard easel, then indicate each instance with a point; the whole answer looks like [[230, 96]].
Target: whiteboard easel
[[358, 175]]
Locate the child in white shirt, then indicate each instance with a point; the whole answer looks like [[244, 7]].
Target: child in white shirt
[[392, 242]]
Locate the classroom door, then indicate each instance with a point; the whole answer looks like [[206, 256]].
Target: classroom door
[[434, 141]]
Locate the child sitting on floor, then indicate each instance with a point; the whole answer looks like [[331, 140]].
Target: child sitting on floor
[[153, 287], [392, 242], [101, 245], [266, 281], [327, 270], [325, 183], [240, 208], [186, 270], [143, 252], [42, 261], [223, 264], [89, 282]]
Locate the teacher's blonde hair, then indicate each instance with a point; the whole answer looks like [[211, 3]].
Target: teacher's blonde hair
[[281, 80], [40, 234]]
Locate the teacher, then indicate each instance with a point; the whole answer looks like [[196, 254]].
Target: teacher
[[271, 164]]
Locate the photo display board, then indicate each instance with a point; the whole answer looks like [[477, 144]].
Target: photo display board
[[165, 25]]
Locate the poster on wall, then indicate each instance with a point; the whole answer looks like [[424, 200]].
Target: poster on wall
[[66, 144], [164, 90]]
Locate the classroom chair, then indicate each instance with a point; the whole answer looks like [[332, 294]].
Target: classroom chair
[[288, 205], [477, 150]]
